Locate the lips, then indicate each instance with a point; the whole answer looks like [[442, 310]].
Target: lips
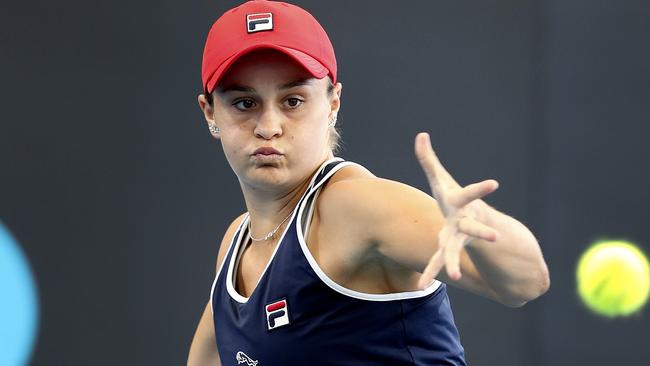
[[266, 151]]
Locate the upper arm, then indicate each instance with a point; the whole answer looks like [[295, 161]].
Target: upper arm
[[203, 350], [396, 220], [399, 221]]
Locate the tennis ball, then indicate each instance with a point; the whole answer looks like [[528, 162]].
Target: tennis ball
[[613, 278]]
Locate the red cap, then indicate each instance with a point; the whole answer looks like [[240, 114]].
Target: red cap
[[260, 24]]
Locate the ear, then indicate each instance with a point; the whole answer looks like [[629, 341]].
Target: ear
[[208, 113], [335, 101]]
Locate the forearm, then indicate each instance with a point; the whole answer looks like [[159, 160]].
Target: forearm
[[513, 265]]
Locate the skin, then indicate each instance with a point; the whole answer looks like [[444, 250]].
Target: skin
[[267, 115], [398, 243]]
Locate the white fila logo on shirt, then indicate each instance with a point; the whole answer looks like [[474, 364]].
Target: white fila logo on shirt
[[277, 314], [259, 22], [243, 358]]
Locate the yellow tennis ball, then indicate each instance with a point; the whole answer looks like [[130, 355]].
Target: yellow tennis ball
[[613, 278]]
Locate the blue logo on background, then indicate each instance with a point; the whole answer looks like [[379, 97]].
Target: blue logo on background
[[18, 303]]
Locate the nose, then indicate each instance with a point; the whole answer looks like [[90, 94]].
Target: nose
[[269, 124]]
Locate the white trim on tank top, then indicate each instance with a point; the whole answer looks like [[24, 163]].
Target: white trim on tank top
[[234, 258], [328, 281], [216, 276]]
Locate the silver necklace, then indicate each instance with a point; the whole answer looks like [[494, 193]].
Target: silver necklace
[[269, 235]]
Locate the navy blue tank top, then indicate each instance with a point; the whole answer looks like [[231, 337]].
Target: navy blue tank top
[[297, 315]]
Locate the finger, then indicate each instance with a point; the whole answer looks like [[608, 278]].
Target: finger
[[471, 192], [430, 163], [477, 229], [425, 155], [436, 262], [431, 271], [452, 255]]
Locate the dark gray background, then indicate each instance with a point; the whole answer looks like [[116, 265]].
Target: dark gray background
[[119, 196]]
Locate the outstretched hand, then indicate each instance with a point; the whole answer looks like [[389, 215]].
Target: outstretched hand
[[461, 208]]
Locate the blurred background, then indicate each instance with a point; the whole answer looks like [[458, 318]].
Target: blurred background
[[117, 196]]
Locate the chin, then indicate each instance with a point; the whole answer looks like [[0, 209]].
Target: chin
[[266, 176]]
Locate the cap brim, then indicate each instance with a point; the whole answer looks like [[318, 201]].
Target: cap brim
[[309, 63]]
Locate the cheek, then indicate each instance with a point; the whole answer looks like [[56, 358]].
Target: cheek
[[310, 140], [231, 147]]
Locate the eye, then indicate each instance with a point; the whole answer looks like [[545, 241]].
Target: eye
[[244, 104], [294, 102]]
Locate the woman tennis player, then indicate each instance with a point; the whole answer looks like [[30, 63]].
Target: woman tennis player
[[332, 265]]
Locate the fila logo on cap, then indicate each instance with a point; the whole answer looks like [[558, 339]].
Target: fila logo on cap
[[277, 314], [259, 22]]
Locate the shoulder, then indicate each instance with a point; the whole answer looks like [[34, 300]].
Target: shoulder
[[350, 172], [355, 189], [380, 219], [338, 190], [362, 205], [227, 238]]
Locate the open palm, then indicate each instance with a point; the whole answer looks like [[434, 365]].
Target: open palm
[[460, 208]]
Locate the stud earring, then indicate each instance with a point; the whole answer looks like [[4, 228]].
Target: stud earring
[[333, 121], [213, 128]]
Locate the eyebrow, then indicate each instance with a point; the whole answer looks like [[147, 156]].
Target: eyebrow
[[248, 89]]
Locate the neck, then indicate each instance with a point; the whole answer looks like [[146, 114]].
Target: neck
[[267, 209]]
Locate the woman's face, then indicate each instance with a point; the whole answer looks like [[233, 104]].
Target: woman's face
[[266, 100]]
